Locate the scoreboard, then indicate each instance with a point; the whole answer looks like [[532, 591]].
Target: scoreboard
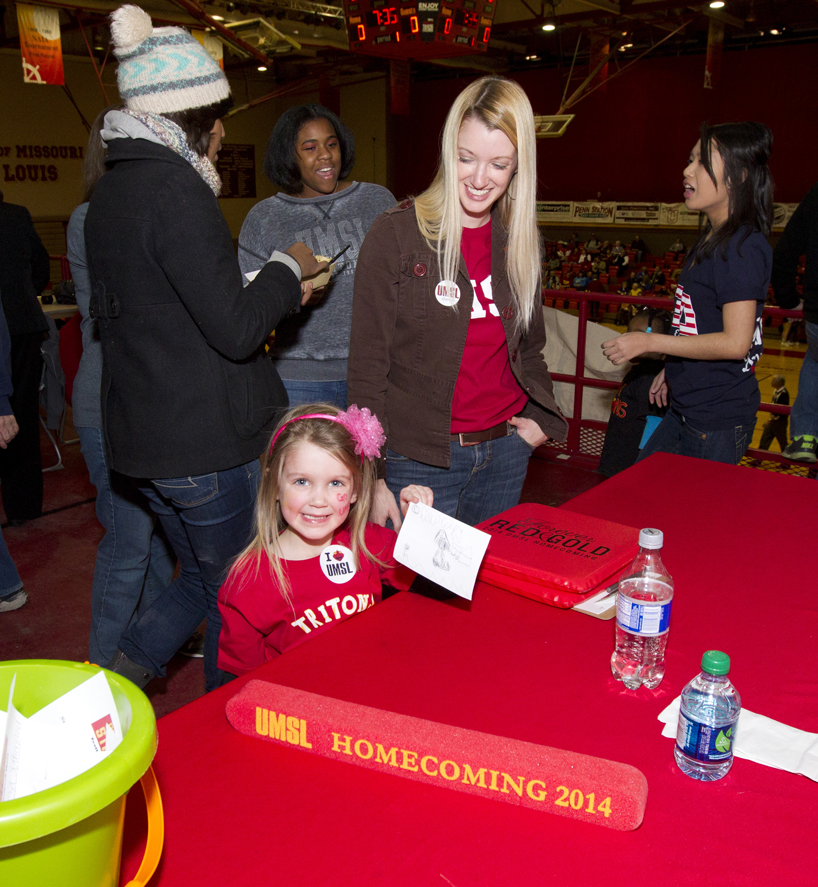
[[419, 29]]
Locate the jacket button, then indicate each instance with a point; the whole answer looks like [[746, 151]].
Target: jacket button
[[419, 270], [508, 312], [514, 355]]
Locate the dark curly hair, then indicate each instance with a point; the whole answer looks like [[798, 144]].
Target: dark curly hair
[[280, 165]]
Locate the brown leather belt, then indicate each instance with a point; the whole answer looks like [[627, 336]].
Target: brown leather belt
[[472, 438]]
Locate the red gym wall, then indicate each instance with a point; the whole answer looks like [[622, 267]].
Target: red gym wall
[[632, 141]]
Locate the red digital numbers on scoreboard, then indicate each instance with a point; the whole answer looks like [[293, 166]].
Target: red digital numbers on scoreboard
[[486, 35]]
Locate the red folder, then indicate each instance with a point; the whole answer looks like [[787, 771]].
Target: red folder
[[553, 555]]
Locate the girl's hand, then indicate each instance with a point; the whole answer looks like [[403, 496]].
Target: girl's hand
[[528, 430], [625, 347], [658, 390], [415, 493]]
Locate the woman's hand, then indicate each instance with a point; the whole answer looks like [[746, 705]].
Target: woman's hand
[[625, 347], [384, 507], [528, 430], [9, 429], [309, 265], [415, 493], [659, 390]]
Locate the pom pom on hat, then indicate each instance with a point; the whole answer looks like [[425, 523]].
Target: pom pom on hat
[[130, 25], [162, 70]]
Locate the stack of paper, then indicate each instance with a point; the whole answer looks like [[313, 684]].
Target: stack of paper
[[555, 556], [61, 741]]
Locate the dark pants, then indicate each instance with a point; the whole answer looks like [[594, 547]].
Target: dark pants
[[775, 429], [21, 471]]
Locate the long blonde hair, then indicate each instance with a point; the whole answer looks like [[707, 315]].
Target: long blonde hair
[[498, 104], [268, 522]]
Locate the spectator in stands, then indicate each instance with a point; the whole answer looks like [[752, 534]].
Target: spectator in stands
[[800, 238], [639, 247], [554, 263], [776, 427], [677, 246], [581, 281], [593, 244], [599, 265], [618, 249], [657, 278], [24, 274]]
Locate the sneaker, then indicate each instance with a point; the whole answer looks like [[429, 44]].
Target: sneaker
[[14, 601], [803, 448], [194, 646]]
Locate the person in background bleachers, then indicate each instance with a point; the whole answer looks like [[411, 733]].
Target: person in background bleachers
[[639, 247], [593, 244], [677, 246]]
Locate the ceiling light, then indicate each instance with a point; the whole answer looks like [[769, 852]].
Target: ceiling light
[[549, 26], [716, 4], [261, 68], [775, 31], [625, 46], [217, 18], [532, 58]]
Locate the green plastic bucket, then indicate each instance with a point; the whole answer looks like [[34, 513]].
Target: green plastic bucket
[[72, 834]]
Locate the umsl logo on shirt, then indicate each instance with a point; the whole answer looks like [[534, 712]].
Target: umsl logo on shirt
[[544, 533]]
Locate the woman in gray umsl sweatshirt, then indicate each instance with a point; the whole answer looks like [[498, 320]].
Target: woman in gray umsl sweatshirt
[[309, 155]]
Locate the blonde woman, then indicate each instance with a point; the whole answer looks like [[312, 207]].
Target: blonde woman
[[447, 328]]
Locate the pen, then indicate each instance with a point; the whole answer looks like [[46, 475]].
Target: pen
[[338, 255]]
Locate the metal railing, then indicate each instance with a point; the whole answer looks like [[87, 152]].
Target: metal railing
[[585, 436]]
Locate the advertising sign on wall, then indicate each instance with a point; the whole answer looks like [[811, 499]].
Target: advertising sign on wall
[[40, 44], [554, 212], [644, 213], [598, 213]]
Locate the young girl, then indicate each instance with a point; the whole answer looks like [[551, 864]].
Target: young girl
[[716, 339], [314, 560]]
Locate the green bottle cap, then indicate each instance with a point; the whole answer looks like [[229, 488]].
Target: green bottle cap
[[715, 662]]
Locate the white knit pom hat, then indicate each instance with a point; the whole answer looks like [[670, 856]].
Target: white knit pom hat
[[162, 70]]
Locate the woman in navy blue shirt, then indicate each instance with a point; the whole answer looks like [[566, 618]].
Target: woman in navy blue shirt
[[716, 330]]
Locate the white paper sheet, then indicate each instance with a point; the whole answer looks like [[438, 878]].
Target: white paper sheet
[[763, 740], [61, 741], [441, 548]]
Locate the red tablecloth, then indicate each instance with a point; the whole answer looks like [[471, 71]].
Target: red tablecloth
[[740, 546]]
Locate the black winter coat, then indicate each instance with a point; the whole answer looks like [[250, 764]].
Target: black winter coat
[[24, 270], [186, 386]]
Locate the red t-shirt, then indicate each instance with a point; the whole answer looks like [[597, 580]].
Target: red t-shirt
[[258, 624], [486, 391]]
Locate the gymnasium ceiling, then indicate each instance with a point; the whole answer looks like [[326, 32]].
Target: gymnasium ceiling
[[631, 28]]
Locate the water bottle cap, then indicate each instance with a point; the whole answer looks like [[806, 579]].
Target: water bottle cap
[[715, 662], [651, 538]]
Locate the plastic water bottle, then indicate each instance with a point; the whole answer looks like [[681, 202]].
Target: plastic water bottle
[[707, 721], [643, 616]]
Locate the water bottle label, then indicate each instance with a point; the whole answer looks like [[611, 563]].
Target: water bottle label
[[647, 618], [705, 742]]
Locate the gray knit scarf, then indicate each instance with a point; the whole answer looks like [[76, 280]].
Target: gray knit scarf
[[173, 136]]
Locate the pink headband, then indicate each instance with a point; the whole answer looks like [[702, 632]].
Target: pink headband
[[363, 426]]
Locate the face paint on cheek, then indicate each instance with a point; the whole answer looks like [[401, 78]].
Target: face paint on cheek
[[343, 497], [343, 510]]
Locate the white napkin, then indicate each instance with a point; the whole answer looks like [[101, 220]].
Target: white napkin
[[763, 740]]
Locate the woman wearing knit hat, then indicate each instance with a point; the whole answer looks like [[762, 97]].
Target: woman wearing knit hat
[[188, 397]]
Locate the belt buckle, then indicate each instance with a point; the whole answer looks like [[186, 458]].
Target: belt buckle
[[471, 443]]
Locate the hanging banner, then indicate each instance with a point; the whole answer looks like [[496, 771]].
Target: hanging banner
[[40, 44], [598, 213], [213, 46], [715, 49], [554, 212], [644, 213]]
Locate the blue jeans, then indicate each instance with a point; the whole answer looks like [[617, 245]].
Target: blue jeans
[[134, 562], [10, 582], [804, 415], [482, 481], [301, 392], [208, 520], [675, 435]]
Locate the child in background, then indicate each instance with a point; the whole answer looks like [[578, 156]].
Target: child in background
[[632, 405], [314, 560], [776, 427]]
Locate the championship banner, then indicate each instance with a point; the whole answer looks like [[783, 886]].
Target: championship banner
[[554, 212], [40, 45], [644, 213], [677, 214], [597, 213], [213, 46]]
